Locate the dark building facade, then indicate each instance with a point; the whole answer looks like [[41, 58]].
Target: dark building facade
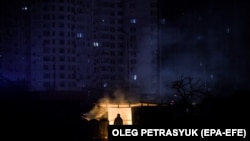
[[75, 45]]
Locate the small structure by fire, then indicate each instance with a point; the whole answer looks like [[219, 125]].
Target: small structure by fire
[[110, 110], [105, 114], [125, 110]]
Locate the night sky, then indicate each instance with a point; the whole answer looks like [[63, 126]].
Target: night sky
[[206, 40]]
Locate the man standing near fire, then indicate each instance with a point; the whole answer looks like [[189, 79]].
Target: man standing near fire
[[118, 120]]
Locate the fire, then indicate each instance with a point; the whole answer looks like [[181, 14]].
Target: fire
[[107, 108], [126, 115], [125, 110], [110, 111]]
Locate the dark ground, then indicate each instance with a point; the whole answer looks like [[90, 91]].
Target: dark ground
[[36, 117]]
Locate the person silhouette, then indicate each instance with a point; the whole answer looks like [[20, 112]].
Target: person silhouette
[[118, 120]]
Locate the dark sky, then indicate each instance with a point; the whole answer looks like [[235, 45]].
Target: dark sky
[[206, 40]]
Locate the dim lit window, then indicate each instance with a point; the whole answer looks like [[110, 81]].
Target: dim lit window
[[135, 77], [133, 21], [79, 35], [228, 30], [163, 21], [25, 8], [105, 85], [95, 44]]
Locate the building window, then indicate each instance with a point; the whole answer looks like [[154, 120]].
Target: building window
[[61, 25], [79, 35], [133, 21], [45, 8], [132, 29], [61, 17], [96, 44], [46, 17], [46, 75], [163, 21], [61, 33], [105, 85], [45, 67], [61, 8], [133, 38], [153, 4], [62, 67], [46, 58], [24, 8], [62, 76], [135, 77], [132, 5], [120, 13], [46, 33], [61, 50], [62, 84], [45, 50], [46, 42], [46, 85], [62, 59], [61, 42]]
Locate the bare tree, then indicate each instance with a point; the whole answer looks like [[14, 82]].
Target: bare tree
[[189, 90]]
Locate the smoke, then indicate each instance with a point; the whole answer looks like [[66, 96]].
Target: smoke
[[206, 45], [99, 110], [146, 67]]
